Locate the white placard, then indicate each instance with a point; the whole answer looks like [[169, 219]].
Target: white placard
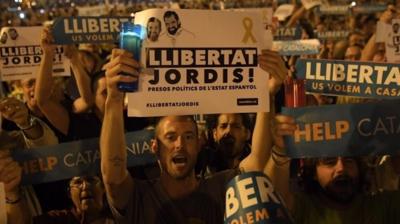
[[201, 69], [284, 11], [308, 4], [297, 47], [21, 54], [98, 10], [392, 42]]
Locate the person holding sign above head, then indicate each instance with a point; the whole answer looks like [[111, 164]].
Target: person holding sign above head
[[178, 196], [332, 190], [231, 133]]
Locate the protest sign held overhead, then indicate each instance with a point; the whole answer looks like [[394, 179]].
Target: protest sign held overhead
[[297, 47], [251, 198], [288, 33], [191, 68], [309, 4], [73, 30], [333, 35], [78, 158], [344, 130], [21, 54], [326, 9], [350, 78], [368, 8], [392, 41]]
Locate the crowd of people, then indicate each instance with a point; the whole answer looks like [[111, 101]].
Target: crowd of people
[[194, 162]]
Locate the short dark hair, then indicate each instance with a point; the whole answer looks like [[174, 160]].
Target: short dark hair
[[308, 172], [212, 120], [154, 19], [168, 14]]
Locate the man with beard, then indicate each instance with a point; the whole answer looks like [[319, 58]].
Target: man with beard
[[178, 196], [153, 29], [175, 30], [229, 143], [332, 190]]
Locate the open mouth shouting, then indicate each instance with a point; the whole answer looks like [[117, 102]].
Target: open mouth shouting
[[180, 160]]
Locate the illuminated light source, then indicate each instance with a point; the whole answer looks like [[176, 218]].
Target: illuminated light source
[[22, 15], [132, 14], [352, 4], [41, 11]]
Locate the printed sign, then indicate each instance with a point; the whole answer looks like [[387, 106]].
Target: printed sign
[[192, 68], [63, 161], [297, 47], [3, 210], [21, 54], [284, 11], [369, 8], [392, 42], [333, 35], [288, 33], [350, 78], [251, 198], [266, 42], [334, 9], [74, 30], [97, 10], [344, 130]]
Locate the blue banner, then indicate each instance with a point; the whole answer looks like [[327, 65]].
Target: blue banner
[[369, 8], [333, 10], [77, 158], [350, 78], [332, 35], [251, 198], [296, 47], [288, 33], [74, 30], [345, 130]]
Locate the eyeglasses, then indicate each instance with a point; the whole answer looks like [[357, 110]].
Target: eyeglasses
[[332, 161], [78, 181]]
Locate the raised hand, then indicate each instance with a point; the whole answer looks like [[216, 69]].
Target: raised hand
[[47, 41], [15, 111], [121, 62], [272, 62]]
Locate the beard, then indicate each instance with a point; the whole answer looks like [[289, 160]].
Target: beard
[[223, 153], [172, 30], [342, 189]]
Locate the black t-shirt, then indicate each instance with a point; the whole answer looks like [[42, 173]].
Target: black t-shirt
[[149, 203]]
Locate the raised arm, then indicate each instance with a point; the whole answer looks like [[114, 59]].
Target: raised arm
[[371, 47], [271, 62], [86, 99], [52, 109], [117, 180], [277, 168]]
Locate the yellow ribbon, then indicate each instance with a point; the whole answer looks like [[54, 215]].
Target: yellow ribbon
[[248, 26]]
